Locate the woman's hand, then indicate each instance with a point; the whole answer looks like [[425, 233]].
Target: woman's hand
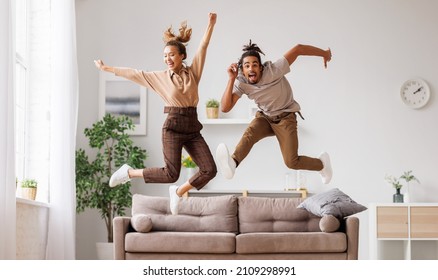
[[99, 64], [212, 17]]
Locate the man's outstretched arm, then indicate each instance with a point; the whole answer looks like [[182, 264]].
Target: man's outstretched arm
[[307, 50]]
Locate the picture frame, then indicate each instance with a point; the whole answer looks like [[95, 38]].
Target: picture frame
[[119, 96]]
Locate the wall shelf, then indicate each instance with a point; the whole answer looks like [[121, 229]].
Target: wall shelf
[[226, 121], [302, 192]]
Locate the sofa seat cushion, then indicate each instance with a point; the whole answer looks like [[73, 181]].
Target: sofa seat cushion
[[264, 214], [181, 242], [196, 214], [291, 242]]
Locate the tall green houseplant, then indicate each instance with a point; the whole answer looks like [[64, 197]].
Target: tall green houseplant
[[113, 147]]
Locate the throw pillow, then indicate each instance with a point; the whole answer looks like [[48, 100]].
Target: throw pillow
[[329, 223], [333, 202], [141, 223]]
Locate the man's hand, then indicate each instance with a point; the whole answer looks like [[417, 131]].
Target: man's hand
[[232, 71], [327, 57]]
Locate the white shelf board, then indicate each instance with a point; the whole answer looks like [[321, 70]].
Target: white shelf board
[[226, 121]]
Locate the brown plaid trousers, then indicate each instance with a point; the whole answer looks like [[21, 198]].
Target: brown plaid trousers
[[182, 129]]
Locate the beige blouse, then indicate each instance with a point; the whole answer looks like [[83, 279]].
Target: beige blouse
[[176, 89]]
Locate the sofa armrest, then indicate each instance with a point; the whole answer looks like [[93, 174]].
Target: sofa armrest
[[352, 231], [121, 226]]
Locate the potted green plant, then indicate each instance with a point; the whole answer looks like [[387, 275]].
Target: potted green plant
[[29, 188], [395, 182], [212, 106], [113, 147]]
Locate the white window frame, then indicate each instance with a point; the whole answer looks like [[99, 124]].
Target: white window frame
[[33, 105], [21, 71]]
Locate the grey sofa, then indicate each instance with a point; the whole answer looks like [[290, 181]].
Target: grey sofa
[[230, 227]]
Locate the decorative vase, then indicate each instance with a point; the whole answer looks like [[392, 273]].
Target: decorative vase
[[190, 172], [406, 195], [397, 197], [212, 113], [301, 180]]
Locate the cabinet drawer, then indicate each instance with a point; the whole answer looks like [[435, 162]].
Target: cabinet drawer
[[424, 222], [392, 222]]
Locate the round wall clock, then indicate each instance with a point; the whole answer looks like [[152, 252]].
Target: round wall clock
[[415, 93]]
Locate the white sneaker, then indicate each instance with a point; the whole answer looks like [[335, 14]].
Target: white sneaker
[[227, 165], [326, 172], [174, 199], [120, 176]]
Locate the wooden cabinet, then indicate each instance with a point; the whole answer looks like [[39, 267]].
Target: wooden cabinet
[[392, 222], [404, 231], [424, 222]]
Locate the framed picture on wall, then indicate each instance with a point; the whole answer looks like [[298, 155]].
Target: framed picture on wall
[[121, 97]]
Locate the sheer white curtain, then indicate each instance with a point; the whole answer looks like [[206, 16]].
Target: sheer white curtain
[[64, 102], [7, 146]]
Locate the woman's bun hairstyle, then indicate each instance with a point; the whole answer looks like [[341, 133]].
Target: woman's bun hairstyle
[[184, 35]]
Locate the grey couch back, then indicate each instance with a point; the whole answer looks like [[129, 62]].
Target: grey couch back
[[227, 213], [207, 214], [262, 214]]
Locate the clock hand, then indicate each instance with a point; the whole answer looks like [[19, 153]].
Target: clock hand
[[418, 90]]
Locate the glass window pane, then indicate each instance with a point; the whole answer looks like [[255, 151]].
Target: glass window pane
[[21, 27], [20, 119]]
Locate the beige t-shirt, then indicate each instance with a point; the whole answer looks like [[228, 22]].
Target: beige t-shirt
[[273, 93], [176, 89]]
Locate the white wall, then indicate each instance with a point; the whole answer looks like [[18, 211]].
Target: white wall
[[353, 109], [32, 227]]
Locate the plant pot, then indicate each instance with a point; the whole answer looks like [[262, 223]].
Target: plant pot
[[28, 193], [190, 172], [212, 113], [105, 250], [406, 195]]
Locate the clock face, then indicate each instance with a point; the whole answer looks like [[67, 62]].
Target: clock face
[[415, 93]]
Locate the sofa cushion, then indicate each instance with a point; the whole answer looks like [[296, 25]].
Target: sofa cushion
[[265, 214], [141, 222], [196, 214], [291, 242], [181, 242], [332, 202]]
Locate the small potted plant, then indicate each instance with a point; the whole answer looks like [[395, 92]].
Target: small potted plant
[[395, 182], [188, 162], [29, 189], [212, 107]]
